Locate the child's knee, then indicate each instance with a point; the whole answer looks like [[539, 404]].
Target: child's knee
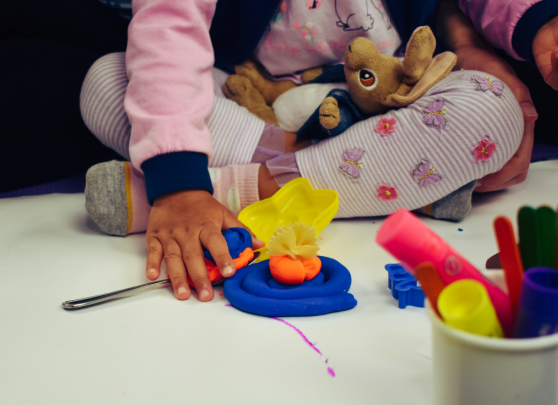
[[105, 80], [479, 106], [102, 102], [452, 135]]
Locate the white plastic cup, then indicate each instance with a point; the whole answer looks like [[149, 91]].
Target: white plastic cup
[[476, 370]]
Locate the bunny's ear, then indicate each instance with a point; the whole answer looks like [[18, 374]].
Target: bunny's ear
[[418, 55], [439, 68]]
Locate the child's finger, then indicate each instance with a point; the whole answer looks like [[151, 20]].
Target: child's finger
[[213, 240], [192, 257], [154, 257], [176, 269]]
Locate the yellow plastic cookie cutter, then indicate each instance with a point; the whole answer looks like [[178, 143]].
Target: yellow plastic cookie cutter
[[296, 201]]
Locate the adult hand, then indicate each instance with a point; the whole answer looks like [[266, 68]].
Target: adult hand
[[545, 51], [179, 225], [515, 170]]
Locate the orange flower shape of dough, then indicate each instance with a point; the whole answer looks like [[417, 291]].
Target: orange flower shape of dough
[[213, 271], [292, 271]]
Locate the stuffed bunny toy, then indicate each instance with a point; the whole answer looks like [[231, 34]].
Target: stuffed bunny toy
[[374, 84]]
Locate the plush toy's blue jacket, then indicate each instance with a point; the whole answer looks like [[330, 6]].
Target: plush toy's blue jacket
[[348, 114]]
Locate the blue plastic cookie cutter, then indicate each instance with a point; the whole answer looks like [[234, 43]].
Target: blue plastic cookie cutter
[[404, 286]]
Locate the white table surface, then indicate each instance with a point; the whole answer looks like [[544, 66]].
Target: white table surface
[[152, 348]]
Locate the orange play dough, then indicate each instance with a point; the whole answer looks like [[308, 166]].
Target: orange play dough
[[290, 271], [213, 271]]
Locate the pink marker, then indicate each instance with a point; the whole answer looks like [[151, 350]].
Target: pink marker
[[411, 242]]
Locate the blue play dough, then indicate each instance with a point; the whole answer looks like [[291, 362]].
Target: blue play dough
[[253, 289], [238, 239]]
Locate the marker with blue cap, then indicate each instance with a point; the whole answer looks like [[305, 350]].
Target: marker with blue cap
[[538, 305]]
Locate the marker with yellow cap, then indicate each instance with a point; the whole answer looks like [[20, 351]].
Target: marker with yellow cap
[[465, 305]]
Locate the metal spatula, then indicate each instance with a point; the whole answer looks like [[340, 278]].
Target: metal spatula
[[101, 298]]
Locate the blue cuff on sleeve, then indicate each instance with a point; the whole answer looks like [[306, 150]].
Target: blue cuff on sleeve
[[528, 26], [176, 171]]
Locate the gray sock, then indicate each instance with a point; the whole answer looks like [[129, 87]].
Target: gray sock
[[105, 197], [454, 207]]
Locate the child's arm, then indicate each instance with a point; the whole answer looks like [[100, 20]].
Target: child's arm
[[169, 60], [509, 24], [525, 29], [473, 53]]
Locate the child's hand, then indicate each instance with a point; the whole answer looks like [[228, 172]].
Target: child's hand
[[179, 224], [545, 51], [515, 170]]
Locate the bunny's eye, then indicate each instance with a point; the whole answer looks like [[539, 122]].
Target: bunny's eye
[[367, 79]]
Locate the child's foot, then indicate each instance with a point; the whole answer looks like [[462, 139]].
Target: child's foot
[[453, 207], [292, 144], [116, 199], [111, 191]]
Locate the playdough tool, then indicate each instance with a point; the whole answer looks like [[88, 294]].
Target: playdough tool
[[411, 242], [510, 258], [102, 298], [465, 305], [239, 243], [546, 236], [538, 306], [430, 282], [528, 240], [404, 287], [295, 202], [493, 262]]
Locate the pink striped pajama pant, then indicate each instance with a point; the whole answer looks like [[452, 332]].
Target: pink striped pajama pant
[[415, 162]]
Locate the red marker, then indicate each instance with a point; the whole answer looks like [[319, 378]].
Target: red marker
[[510, 258]]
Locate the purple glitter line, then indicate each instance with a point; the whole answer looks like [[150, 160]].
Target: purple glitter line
[[329, 369], [300, 333]]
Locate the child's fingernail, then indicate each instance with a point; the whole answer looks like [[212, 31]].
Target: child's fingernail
[[260, 241], [152, 273], [181, 291], [479, 185], [228, 270], [204, 294]]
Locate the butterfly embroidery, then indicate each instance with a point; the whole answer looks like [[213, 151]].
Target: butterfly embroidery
[[424, 174], [486, 84], [435, 114], [351, 166]]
